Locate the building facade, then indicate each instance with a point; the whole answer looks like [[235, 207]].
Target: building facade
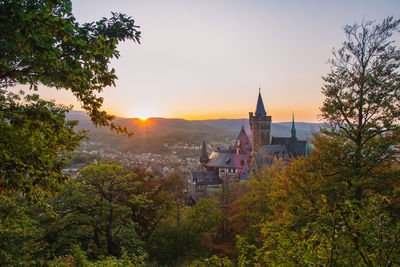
[[236, 164], [260, 125]]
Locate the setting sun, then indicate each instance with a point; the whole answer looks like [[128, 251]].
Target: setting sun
[[199, 133], [143, 115]]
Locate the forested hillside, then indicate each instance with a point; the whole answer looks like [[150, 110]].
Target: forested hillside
[[339, 206], [153, 133]]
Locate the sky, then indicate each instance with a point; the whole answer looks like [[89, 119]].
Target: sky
[[206, 59]]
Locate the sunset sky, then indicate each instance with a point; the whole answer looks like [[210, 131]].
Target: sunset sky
[[206, 59]]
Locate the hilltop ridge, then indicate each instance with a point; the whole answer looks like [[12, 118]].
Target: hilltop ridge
[[152, 134]]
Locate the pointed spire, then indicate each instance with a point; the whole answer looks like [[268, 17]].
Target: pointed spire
[[204, 155], [260, 110], [293, 130], [242, 133], [243, 142]]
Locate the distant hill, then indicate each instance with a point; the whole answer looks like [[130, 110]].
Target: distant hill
[[150, 127], [280, 129], [154, 133]]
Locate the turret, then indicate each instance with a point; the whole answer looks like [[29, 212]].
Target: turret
[[204, 155], [293, 130], [260, 125]]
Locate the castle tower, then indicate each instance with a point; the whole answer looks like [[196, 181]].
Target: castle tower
[[260, 125]]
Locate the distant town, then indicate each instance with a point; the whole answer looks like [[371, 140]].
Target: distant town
[[151, 162]]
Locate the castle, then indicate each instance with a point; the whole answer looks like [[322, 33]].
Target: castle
[[245, 157]]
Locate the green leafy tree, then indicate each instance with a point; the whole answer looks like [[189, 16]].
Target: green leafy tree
[[41, 43], [175, 185], [212, 261], [35, 144], [353, 233], [255, 205], [363, 100], [78, 258], [339, 206], [106, 210], [174, 244], [21, 235]]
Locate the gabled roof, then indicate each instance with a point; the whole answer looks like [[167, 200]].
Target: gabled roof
[[260, 109], [243, 142], [227, 160], [294, 147], [267, 154], [206, 178]]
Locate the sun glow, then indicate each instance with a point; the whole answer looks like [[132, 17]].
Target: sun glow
[[142, 117], [143, 114]]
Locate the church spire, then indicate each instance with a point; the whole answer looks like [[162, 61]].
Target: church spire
[[293, 130], [204, 154], [260, 110]]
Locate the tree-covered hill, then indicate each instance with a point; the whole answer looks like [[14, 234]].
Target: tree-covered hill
[[153, 133]]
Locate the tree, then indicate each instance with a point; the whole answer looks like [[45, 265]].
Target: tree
[[175, 184], [41, 43], [107, 209], [174, 244], [339, 206], [255, 206], [363, 99], [354, 233], [35, 144], [21, 234]]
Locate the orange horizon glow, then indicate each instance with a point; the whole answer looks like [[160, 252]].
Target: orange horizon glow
[[278, 116], [279, 110], [196, 78]]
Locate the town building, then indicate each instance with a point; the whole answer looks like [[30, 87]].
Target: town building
[[236, 164]]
